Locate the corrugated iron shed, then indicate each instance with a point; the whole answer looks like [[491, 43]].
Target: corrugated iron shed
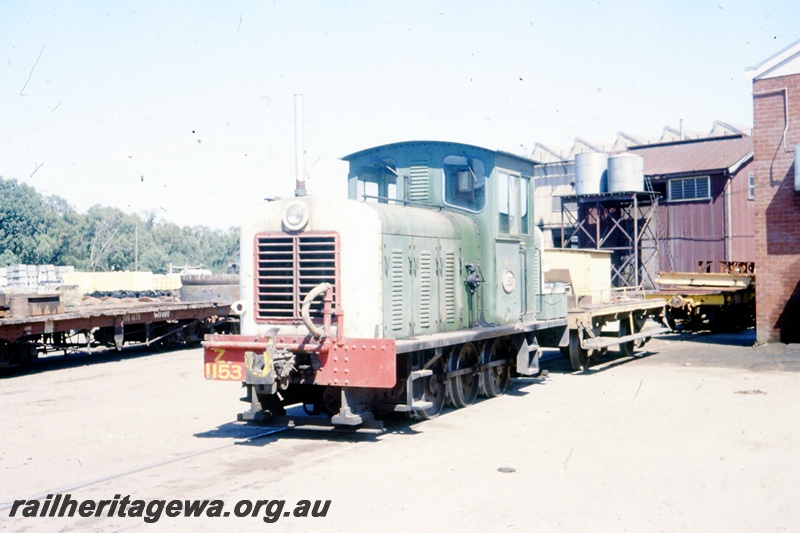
[[691, 156]]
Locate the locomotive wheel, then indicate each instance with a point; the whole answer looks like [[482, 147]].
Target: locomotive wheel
[[434, 391], [463, 388], [578, 356], [495, 379]]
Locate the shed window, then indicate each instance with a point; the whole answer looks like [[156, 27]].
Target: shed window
[[555, 202], [751, 187], [685, 189], [464, 183]]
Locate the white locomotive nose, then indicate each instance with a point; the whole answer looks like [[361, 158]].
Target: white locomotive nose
[[295, 217]]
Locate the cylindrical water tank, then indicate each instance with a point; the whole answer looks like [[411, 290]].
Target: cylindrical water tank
[[625, 173], [591, 173]]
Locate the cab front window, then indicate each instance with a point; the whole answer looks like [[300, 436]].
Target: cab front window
[[377, 182]]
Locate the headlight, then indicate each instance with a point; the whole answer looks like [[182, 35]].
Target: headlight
[[295, 217]]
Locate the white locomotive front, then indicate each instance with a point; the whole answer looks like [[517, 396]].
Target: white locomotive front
[[331, 288]]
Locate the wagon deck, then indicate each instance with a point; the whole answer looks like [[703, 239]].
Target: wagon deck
[[113, 322]]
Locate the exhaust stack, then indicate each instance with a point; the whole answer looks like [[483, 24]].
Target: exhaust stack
[[299, 150]]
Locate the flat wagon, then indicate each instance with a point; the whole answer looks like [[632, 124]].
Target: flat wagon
[[40, 323]]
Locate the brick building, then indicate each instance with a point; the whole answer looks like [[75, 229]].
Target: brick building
[[776, 136]]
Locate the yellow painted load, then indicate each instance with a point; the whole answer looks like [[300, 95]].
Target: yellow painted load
[[588, 273], [89, 282]]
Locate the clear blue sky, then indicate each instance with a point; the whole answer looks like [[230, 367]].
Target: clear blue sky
[[186, 108]]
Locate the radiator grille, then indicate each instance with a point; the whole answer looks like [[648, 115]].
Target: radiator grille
[[287, 268]]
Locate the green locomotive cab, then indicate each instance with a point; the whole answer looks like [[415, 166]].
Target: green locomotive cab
[[493, 190]]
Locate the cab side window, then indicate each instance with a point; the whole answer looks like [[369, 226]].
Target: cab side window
[[512, 204], [464, 183]]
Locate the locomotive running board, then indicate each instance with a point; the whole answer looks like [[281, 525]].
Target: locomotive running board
[[450, 338]]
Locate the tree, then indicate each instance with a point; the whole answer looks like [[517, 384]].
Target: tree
[[110, 236], [24, 220], [63, 232], [47, 230]]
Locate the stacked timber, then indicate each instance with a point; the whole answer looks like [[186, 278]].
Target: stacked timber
[[41, 277]]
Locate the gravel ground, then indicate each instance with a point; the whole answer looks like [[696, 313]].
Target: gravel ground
[[696, 434]]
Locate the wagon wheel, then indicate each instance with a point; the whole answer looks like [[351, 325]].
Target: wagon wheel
[[672, 320], [496, 378], [192, 333], [434, 390], [463, 388], [715, 320], [638, 323], [17, 354], [626, 348], [578, 356]]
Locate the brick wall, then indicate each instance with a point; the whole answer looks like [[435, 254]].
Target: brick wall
[[743, 247], [777, 209]]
